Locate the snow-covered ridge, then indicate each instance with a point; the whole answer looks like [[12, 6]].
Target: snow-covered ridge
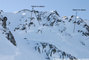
[[53, 36], [40, 18]]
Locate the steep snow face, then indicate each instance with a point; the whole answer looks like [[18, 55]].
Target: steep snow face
[[21, 51], [45, 35]]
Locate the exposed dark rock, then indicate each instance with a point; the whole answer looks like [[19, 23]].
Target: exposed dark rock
[[43, 48], [4, 22], [10, 37]]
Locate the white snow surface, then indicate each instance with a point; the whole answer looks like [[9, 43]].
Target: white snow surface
[[68, 41]]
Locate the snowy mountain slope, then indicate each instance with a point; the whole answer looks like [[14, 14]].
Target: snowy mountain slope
[[10, 51], [45, 35]]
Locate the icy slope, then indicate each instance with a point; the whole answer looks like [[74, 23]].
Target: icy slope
[[46, 35]]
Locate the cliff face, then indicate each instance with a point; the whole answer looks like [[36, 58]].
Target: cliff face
[[43, 35]]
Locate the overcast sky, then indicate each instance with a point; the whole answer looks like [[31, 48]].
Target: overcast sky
[[64, 7]]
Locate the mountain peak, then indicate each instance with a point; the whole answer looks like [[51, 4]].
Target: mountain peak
[[45, 33]]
